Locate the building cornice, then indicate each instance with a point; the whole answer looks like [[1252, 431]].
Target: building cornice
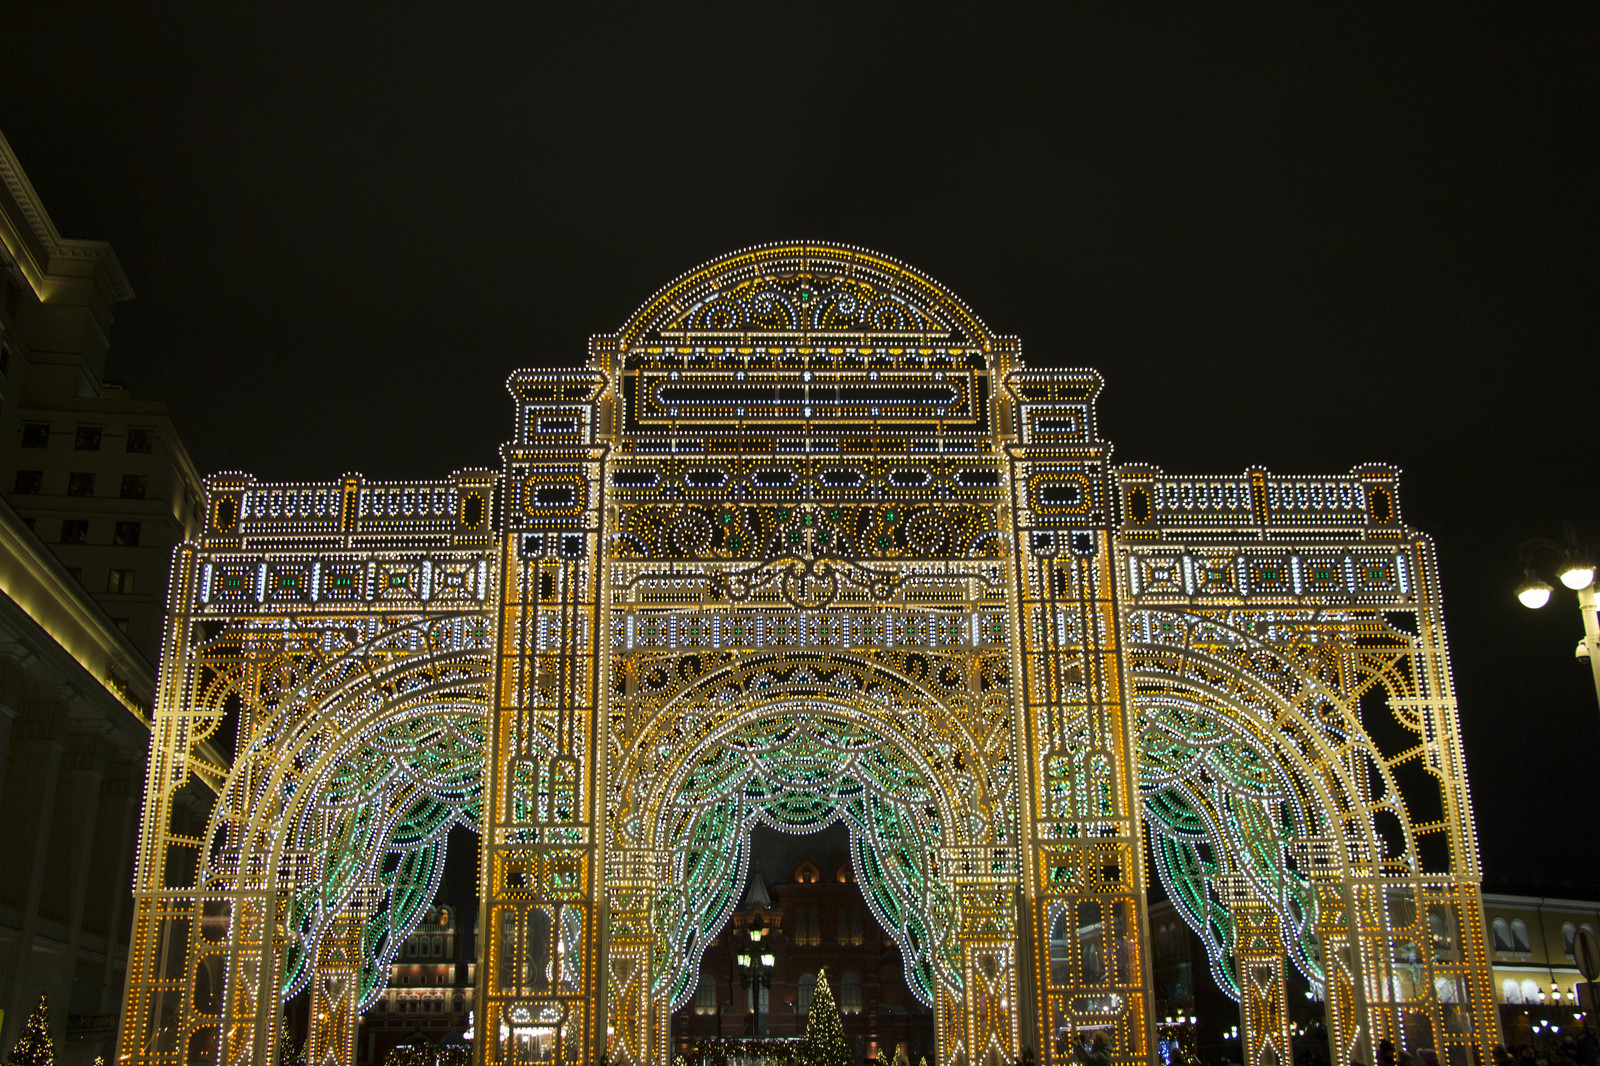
[[1507, 899], [36, 581], [38, 248]]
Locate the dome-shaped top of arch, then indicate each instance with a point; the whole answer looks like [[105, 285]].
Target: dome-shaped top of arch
[[805, 288]]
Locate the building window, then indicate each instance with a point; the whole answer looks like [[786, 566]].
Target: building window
[[808, 985], [75, 531], [1569, 939], [127, 534], [87, 439], [1530, 991], [29, 482], [135, 486], [1510, 991], [80, 483], [1501, 934], [850, 994], [120, 581], [36, 434], [705, 995], [1519, 935], [138, 440]]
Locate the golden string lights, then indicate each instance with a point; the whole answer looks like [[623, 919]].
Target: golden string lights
[[806, 543]]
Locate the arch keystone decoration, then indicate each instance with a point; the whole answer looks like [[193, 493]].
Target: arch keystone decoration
[[806, 542]]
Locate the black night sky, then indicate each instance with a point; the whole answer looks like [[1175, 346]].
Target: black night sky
[[1300, 238]]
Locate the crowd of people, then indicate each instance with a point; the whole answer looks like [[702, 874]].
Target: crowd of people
[[1567, 1050], [1581, 1050]]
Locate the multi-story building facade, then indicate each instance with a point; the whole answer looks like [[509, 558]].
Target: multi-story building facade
[[100, 477], [1533, 956], [102, 489], [429, 994], [812, 918], [1532, 951]]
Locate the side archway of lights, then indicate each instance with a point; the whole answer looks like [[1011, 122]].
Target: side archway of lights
[[1246, 751], [356, 743], [1300, 755]]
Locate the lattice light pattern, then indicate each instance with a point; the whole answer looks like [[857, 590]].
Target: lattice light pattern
[[805, 543]]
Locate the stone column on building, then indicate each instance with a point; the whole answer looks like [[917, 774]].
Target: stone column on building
[[119, 813], [13, 658], [76, 841], [29, 800]]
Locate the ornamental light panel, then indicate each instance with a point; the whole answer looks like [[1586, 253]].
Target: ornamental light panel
[[806, 542]]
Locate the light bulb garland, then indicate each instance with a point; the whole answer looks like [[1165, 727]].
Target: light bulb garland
[[806, 543]]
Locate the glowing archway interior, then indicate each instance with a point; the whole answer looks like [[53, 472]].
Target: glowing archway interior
[[1247, 762], [384, 812], [800, 770], [1218, 805]]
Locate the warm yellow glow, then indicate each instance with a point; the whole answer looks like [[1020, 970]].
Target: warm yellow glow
[[1577, 576], [706, 543], [1534, 593]]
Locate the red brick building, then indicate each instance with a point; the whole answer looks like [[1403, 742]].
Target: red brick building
[[807, 914], [429, 993]]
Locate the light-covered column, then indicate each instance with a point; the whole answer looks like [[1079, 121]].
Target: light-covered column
[[1344, 986], [335, 994], [1259, 953], [640, 1026]]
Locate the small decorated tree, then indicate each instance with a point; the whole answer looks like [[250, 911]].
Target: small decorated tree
[[900, 1056], [289, 1052], [34, 1047], [825, 1043]]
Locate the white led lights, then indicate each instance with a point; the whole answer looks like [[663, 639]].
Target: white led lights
[[806, 543]]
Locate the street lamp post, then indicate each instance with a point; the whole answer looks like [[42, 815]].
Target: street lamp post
[[1577, 572], [755, 973]]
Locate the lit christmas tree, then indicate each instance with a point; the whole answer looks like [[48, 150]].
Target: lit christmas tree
[[900, 1056], [825, 1044], [288, 1054], [34, 1047]]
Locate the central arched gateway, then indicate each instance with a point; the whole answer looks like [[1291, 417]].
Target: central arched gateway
[[806, 542], [910, 748]]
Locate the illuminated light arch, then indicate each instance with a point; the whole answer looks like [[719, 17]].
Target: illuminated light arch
[[901, 745], [1248, 770], [778, 272], [810, 457], [865, 724], [365, 748]]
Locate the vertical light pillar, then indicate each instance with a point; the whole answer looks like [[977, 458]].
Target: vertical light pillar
[[1259, 954], [542, 989], [1082, 866], [335, 994]]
